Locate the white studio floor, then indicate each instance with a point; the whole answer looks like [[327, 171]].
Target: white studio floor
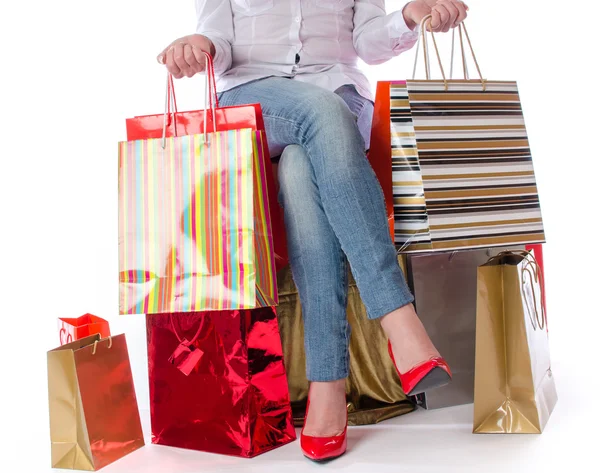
[[421, 442], [424, 441]]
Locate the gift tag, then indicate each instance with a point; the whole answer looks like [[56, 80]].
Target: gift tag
[[186, 357]]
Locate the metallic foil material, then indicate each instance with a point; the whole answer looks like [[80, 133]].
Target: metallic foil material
[[186, 357], [514, 387], [194, 224], [234, 399], [445, 290], [168, 268], [94, 418], [373, 390]]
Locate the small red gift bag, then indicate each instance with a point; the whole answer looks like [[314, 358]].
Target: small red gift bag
[[81, 327]]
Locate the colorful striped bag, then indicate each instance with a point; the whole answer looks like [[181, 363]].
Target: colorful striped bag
[[194, 219], [194, 227], [460, 163]]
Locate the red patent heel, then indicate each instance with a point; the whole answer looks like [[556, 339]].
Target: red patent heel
[[431, 374], [323, 448]]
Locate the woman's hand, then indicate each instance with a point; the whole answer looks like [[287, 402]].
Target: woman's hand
[[185, 57], [446, 14]]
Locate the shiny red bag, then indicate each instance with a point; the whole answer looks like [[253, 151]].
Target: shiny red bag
[[73, 329], [218, 382], [175, 123]]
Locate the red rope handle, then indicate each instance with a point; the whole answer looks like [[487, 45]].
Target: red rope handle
[[202, 324]]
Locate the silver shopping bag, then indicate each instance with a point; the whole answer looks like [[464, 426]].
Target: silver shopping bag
[[445, 290]]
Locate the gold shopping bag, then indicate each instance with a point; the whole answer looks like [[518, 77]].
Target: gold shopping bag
[[94, 417], [514, 386]]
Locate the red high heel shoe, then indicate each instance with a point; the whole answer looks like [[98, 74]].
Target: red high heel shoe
[[431, 374], [323, 448]]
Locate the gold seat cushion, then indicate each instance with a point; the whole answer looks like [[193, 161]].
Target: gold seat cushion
[[373, 389]]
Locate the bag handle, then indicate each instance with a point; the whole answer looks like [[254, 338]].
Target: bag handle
[[210, 75], [110, 343], [534, 272], [195, 337], [426, 23], [211, 101]]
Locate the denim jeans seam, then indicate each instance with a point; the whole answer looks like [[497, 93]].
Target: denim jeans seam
[[344, 268]]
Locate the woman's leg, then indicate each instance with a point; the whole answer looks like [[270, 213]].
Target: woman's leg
[[352, 202], [320, 273], [321, 122]]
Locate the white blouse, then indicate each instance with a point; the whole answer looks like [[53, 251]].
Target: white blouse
[[316, 41]]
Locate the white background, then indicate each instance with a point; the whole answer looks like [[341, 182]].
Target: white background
[[72, 71]]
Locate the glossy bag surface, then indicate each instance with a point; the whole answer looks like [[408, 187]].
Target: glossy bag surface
[[173, 123], [94, 417], [218, 382], [194, 224], [515, 390], [72, 329]]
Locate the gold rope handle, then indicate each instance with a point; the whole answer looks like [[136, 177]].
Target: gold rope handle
[[425, 22], [483, 81], [535, 275], [110, 342], [534, 270], [423, 32], [462, 52]]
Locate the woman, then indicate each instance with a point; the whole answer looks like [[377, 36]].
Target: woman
[[297, 58]]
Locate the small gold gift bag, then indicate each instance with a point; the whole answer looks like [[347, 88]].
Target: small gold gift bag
[[514, 386], [94, 417]]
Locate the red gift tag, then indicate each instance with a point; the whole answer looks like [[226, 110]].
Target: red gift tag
[[186, 357]]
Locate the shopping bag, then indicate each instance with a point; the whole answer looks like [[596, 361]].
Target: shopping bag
[[194, 222], [514, 386], [71, 329], [218, 382], [195, 231], [462, 171], [445, 289], [373, 390], [94, 418], [393, 156], [175, 123]]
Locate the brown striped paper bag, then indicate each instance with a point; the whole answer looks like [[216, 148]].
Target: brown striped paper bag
[[462, 170], [476, 165]]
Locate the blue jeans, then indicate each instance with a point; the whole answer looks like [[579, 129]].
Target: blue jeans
[[334, 209]]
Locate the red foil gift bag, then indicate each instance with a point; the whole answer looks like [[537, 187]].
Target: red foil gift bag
[[218, 382]]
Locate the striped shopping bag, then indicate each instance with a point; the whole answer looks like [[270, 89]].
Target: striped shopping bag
[[462, 171], [194, 224]]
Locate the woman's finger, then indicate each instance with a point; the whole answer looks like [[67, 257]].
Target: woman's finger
[[172, 66], [162, 57], [436, 20], [451, 6], [191, 59], [200, 58], [462, 11], [444, 17], [179, 58]]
